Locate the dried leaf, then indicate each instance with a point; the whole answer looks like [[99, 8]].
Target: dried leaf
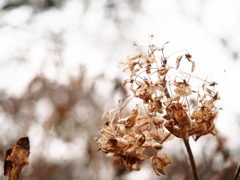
[[16, 158]]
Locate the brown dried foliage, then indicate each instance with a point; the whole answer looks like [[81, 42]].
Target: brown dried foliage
[[16, 158], [163, 111], [73, 112]]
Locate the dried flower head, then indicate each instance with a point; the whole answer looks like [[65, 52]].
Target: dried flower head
[[164, 111]]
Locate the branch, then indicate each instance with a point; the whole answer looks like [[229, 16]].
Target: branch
[[236, 177]]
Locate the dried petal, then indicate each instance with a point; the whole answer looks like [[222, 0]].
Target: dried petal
[[159, 162], [163, 71], [141, 157], [188, 57], [182, 88], [179, 58], [193, 66], [133, 57], [143, 123], [151, 59], [130, 120], [127, 81]]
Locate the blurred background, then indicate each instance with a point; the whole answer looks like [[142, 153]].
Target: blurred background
[[59, 72]]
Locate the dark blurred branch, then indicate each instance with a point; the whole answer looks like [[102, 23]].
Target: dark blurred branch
[[238, 172], [37, 5]]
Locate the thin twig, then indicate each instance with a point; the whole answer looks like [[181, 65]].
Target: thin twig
[[191, 158]]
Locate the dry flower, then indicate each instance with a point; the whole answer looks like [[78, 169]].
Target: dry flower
[[164, 111]]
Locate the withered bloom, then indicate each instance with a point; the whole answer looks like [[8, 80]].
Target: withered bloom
[[164, 111]]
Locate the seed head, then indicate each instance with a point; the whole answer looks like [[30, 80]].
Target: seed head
[[164, 110]]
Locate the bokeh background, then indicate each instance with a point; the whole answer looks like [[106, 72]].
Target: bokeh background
[[59, 72]]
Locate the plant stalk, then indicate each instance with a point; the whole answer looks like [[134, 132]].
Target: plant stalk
[[191, 158]]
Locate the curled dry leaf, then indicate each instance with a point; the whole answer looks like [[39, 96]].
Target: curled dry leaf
[[16, 158]]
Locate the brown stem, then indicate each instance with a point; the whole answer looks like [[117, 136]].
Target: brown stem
[[191, 158]]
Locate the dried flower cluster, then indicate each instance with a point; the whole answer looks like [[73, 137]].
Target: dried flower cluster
[[169, 106]]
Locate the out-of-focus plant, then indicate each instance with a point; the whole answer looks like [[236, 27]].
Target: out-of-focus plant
[[163, 111], [51, 112], [37, 5]]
